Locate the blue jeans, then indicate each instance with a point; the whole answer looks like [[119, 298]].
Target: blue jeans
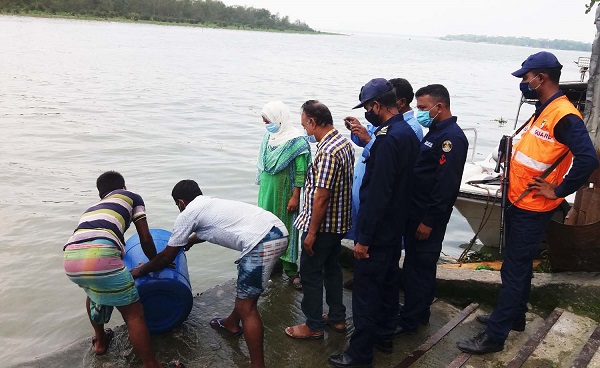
[[524, 232], [322, 268]]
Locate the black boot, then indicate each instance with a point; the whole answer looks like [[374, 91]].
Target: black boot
[[518, 324], [344, 360], [383, 344], [480, 344]]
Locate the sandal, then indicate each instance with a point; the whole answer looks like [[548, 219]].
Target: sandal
[[303, 332], [109, 336], [217, 324], [296, 282], [336, 326]]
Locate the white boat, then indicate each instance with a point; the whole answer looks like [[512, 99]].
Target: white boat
[[480, 196]]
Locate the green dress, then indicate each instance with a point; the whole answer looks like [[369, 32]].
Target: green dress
[[280, 170]]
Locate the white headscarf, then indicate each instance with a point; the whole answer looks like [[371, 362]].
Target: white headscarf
[[278, 113]]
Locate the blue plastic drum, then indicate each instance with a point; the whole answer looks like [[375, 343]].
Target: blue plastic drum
[[166, 294]]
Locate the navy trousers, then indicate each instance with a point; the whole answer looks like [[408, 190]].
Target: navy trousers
[[322, 268], [524, 232], [418, 273], [375, 296]]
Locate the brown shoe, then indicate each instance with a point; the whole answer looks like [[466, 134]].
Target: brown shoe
[[336, 326], [303, 332]]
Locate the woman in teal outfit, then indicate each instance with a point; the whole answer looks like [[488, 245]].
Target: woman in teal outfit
[[283, 159]]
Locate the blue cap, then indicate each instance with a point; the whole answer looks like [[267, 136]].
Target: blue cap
[[374, 88], [541, 60]]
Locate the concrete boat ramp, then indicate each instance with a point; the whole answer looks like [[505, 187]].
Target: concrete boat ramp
[[553, 337]]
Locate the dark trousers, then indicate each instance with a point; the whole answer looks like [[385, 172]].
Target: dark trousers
[[322, 268], [524, 232], [418, 273], [374, 300]]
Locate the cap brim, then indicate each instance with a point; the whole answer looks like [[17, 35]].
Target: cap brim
[[521, 72], [359, 105]]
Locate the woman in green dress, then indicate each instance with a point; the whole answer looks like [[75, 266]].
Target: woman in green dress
[[283, 159]]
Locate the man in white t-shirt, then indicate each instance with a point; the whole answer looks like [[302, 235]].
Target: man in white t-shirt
[[258, 234]]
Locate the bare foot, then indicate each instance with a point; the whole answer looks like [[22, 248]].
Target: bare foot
[[101, 345]]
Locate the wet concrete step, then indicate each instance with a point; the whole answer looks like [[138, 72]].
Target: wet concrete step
[[562, 340], [197, 344], [589, 351]]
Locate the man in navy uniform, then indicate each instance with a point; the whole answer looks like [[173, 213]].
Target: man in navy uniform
[[381, 220], [436, 181]]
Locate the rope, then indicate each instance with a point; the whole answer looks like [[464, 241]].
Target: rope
[[484, 220]]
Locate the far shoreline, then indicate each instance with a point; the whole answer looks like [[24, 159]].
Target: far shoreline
[[177, 24]]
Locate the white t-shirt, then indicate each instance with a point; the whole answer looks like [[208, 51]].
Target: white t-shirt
[[231, 224]]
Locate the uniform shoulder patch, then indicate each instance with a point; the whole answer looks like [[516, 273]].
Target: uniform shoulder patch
[[447, 146], [382, 131]]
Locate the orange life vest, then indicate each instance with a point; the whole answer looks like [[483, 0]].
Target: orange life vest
[[536, 151]]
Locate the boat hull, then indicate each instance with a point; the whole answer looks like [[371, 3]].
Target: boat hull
[[474, 208]]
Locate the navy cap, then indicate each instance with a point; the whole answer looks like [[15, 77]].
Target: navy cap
[[374, 88], [541, 60]]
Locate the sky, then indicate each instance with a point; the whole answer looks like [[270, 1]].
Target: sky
[[551, 19]]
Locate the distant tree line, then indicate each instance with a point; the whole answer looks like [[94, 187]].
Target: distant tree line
[[523, 41], [210, 12]]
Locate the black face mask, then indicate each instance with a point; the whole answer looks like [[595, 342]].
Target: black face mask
[[372, 117]]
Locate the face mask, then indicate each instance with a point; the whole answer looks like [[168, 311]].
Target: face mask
[[372, 117], [527, 91], [424, 118], [310, 138], [272, 127]]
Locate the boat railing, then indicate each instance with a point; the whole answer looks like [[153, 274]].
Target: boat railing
[[472, 147]]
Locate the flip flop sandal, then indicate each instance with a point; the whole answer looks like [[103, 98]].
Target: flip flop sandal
[[294, 332], [217, 324], [336, 326], [109, 336]]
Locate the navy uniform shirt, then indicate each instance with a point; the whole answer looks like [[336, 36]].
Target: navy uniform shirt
[[438, 173], [384, 191]]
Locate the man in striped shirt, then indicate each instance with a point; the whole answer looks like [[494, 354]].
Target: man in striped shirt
[[93, 260], [325, 218]]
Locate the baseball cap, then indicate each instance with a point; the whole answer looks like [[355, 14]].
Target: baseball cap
[[540, 60], [374, 88]]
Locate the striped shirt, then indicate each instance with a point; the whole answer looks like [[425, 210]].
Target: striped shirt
[[109, 219], [332, 168]]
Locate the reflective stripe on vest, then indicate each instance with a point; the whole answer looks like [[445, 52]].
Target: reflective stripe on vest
[[536, 151], [530, 162]]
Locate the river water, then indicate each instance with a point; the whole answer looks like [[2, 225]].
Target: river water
[[164, 103]]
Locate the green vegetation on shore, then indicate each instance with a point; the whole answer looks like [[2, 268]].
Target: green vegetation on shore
[[522, 41], [208, 13]]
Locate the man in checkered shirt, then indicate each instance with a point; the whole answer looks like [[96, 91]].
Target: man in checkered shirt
[[325, 218]]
